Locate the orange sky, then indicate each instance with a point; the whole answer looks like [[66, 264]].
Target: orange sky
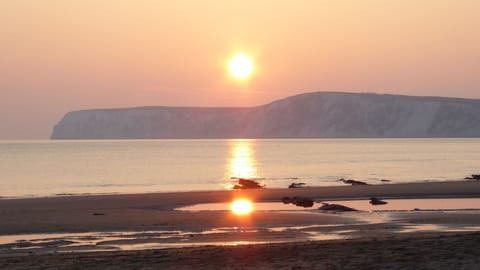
[[58, 56]]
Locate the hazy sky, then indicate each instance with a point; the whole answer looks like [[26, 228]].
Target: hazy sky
[[64, 55]]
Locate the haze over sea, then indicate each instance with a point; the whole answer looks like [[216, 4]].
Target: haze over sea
[[49, 168]]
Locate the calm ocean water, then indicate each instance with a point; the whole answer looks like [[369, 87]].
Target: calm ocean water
[[45, 168]]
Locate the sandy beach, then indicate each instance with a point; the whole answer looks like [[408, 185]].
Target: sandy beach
[[418, 251], [100, 229], [153, 211]]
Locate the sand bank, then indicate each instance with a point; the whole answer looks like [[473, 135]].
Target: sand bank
[[155, 211]]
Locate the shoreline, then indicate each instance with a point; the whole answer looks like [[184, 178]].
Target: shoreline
[[425, 189], [71, 194]]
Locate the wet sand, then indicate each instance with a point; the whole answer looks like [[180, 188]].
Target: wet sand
[[411, 251], [154, 211], [390, 237]]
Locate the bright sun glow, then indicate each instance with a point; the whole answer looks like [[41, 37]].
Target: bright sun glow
[[242, 207], [241, 67]]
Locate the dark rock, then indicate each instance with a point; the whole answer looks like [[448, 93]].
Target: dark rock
[[298, 201], [473, 177], [376, 201], [296, 185], [335, 207], [303, 202], [352, 182], [386, 180], [98, 214], [247, 184], [286, 200]]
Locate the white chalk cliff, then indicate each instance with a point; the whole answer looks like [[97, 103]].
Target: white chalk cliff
[[310, 115]]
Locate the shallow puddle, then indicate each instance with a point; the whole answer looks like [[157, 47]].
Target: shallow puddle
[[364, 205], [105, 241], [259, 206]]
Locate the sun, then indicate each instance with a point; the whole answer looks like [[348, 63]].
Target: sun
[[241, 66], [242, 207]]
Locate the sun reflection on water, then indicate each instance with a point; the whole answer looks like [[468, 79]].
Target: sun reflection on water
[[242, 162]]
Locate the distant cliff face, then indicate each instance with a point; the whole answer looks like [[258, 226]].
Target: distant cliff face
[[321, 114]]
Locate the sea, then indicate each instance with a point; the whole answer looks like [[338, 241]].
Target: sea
[[60, 168]]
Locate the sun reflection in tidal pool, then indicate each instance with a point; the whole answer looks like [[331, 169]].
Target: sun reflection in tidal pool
[[242, 207]]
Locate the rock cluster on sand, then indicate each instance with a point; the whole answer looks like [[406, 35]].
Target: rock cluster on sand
[[296, 185], [473, 177], [352, 182], [335, 207], [247, 184], [376, 201], [298, 201]]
